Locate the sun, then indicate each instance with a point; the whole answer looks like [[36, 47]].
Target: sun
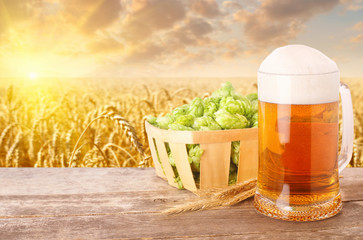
[[32, 75]]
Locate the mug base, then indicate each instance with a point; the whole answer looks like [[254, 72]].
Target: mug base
[[301, 213]]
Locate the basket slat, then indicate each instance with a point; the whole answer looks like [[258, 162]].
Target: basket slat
[[248, 159], [164, 158], [195, 137], [180, 156], [214, 165], [159, 170]]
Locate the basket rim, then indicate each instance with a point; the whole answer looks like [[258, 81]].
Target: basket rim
[[201, 137]]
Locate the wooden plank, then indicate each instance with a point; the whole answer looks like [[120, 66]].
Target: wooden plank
[[214, 165], [53, 181], [126, 203], [239, 222]]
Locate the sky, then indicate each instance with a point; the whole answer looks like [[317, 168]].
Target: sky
[[171, 38]]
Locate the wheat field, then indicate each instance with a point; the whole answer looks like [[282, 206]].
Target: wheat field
[[99, 122]]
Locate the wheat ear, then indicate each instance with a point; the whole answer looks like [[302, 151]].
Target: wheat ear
[[211, 199], [128, 128]]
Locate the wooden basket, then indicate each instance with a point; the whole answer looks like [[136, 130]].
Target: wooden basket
[[215, 161]]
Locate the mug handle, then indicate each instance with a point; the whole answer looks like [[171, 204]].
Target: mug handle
[[348, 127]]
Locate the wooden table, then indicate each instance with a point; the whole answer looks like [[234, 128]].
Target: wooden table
[[126, 203]]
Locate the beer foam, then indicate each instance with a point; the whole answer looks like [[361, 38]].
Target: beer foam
[[298, 74]]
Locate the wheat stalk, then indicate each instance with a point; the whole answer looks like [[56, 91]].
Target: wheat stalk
[[5, 132], [212, 199], [40, 154], [128, 128], [109, 145], [10, 153], [71, 108]]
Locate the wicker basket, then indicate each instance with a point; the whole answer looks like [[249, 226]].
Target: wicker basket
[[215, 161]]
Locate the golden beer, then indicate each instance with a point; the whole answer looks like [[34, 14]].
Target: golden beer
[[298, 149]]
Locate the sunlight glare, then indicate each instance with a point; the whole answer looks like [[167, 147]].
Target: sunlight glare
[[32, 76]]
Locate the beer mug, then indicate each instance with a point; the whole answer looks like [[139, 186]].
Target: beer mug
[[299, 166]]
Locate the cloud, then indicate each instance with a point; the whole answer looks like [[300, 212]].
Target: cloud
[[193, 32], [358, 26], [276, 22], [90, 16], [105, 45], [13, 12], [104, 14], [352, 5], [205, 8], [149, 16], [233, 49], [144, 53], [175, 44], [232, 4], [296, 9], [357, 39]]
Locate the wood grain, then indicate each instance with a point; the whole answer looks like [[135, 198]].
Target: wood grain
[[214, 165], [126, 203]]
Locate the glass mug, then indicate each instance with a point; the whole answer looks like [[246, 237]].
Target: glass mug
[[298, 176]]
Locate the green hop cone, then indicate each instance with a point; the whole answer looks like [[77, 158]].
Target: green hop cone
[[171, 159], [185, 120], [252, 97], [179, 127], [235, 152], [152, 120], [194, 155], [228, 120], [254, 120], [206, 123], [182, 110], [225, 91], [196, 108], [163, 122], [231, 105], [211, 106]]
